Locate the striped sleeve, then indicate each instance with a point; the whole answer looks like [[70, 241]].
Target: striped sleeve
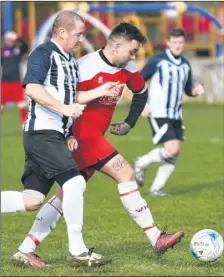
[[190, 82], [37, 67], [150, 68]]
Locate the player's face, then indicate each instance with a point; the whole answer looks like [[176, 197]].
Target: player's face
[[73, 38], [125, 51], [176, 45]]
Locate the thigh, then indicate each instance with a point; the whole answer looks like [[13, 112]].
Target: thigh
[[49, 151], [162, 130], [179, 129], [92, 150], [19, 94], [5, 92], [12, 92], [33, 178], [118, 169]]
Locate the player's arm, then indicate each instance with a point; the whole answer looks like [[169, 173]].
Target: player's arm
[[139, 100], [192, 88], [147, 72], [37, 68], [138, 103], [107, 89], [150, 68]]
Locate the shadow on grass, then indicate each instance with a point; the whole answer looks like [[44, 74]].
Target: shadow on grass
[[189, 188]]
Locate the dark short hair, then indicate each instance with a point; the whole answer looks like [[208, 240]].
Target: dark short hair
[[177, 32], [127, 31]]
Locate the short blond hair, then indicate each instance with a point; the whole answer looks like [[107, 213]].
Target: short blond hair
[[66, 19]]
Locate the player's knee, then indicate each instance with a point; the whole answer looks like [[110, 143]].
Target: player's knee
[[173, 151], [171, 157], [77, 182], [32, 199]]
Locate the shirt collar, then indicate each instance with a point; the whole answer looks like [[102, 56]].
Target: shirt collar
[[61, 49], [104, 58], [171, 57]]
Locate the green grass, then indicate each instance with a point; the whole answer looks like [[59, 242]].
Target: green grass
[[197, 203]]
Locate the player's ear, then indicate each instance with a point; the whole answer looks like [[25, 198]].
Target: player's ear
[[61, 33], [117, 45]]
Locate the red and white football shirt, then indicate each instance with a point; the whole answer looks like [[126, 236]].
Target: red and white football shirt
[[96, 70]]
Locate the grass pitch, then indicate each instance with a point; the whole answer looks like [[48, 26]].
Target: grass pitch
[[197, 203]]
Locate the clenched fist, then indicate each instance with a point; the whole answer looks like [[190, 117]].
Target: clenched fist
[[73, 110], [120, 128], [198, 90], [72, 143]]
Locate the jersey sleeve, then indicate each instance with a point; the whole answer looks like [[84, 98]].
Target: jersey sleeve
[[84, 82], [135, 82], [189, 84], [83, 85], [37, 67], [150, 68]]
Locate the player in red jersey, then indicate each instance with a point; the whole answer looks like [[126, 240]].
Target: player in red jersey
[[95, 152], [11, 87]]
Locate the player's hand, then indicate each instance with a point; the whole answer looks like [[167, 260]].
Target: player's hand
[[147, 111], [72, 143], [198, 90], [120, 128], [110, 89], [73, 110]]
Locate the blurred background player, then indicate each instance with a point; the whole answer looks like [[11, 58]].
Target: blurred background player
[[12, 52], [170, 75], [95, 152]]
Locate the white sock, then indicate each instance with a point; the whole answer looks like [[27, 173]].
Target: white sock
[[43, 225], [163, 173], [12, 201], [138, 209], [72, 206], [155, 156]]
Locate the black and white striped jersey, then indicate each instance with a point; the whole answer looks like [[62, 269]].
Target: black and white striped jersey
[[57, 71], [170, 77]]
